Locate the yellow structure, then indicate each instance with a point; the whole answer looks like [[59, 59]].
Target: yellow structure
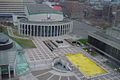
[[85, 65]]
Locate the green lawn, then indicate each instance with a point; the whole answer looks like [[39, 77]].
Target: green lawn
[[25, 43], [83, 41], [93, 53], [17, 34]]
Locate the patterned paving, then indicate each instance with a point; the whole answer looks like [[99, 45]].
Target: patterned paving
[[42, 54], [49, 75]]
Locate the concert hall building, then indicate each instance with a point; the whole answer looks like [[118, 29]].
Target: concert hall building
[[43, 20]]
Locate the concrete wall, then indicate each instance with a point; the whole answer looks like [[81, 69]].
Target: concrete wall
[[45, 29], [46, 17]]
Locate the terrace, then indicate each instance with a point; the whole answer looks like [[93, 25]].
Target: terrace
[[40, 61]]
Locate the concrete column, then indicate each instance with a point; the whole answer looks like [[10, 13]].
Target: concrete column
[[65, 28], [44, 30], [0, 74], [51, 30], [19, 28], [54, 31], [30, 30], [33, 30], [37, 31], [60, 29], [57, 30], [14, 71], [9, 71], [24, 29], [40, 30], [48, 31], [27, 30], [71, 26]]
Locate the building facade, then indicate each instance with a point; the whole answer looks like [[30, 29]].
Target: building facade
[[73, 9], [7, 57], [43, 20], [108, 44], [45, 29]]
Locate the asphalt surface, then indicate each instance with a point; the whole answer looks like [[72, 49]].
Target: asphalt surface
[[82, 29]]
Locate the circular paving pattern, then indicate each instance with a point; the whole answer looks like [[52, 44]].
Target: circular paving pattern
[[49, 74]]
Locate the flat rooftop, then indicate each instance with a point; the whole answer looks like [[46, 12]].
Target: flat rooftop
[[110, 40], [11, 7], [44, 22], [11, 0], [41, 8]]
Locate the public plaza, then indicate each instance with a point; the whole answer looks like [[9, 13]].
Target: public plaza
[[43, 42], [40, 61]]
